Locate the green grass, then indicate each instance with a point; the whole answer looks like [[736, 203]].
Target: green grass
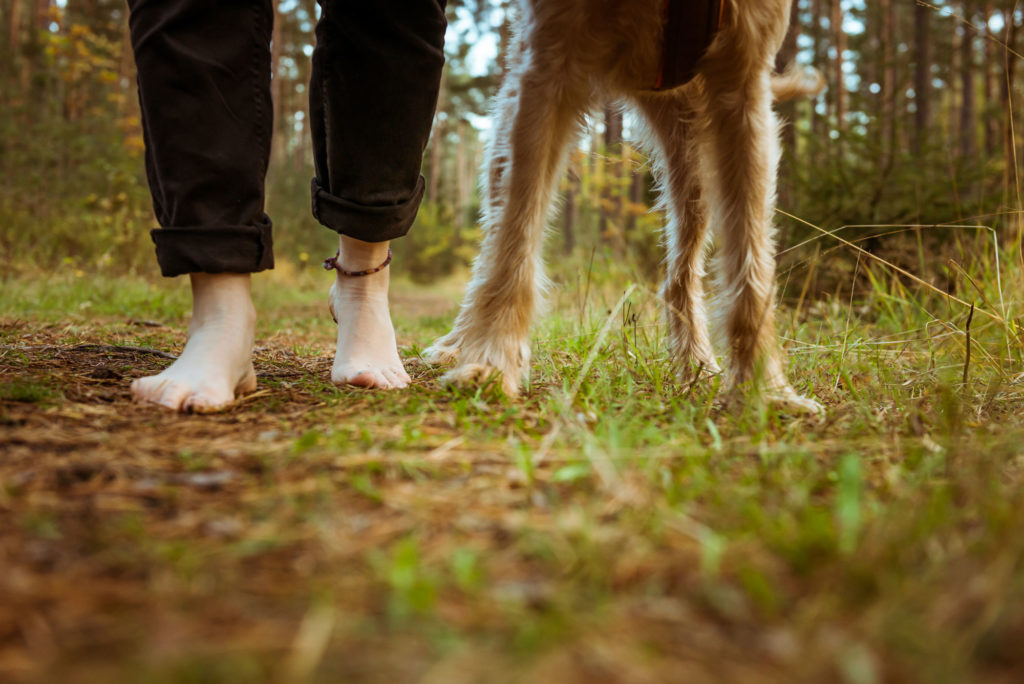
[[28, 390], [610, 526]]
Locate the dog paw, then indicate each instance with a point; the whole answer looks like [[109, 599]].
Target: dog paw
[[471, 375], [442, 352], [786, 399], [483, 362]]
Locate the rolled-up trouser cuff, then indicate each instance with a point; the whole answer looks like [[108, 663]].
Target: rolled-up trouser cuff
[[366, 222], [214, 249]]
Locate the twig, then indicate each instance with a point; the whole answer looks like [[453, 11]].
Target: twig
[[586, 288], [252, 396], [441, 452], [696, 378], [967, 354], [969, 24], [846, 332], [122, 348], [91, 348]]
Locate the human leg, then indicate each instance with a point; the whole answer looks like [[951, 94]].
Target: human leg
[[376, 73], [204, 90]]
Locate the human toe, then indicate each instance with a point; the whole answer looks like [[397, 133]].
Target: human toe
[[366, 378], [173, 396], [151, 390], [207, 400], [397, 378]]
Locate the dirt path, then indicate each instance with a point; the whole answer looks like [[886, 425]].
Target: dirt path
[[304, 529]]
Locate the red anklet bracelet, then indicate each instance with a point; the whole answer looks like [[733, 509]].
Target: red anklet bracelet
[[333, 265]]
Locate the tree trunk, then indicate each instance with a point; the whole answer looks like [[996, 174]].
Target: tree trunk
[[437, 144], [14, 30], [988, 83], [816, 48], [303, 138], [889, 79], [42, 14], [968, 143], [839, 38], [952, 113], [922, 77], [1011, 191], [636, 190], [783, 61], [39, 21], [612, 128], [276, 91], [459, 204], [126, 69], [569, 217], [612, 157], [876, 66]]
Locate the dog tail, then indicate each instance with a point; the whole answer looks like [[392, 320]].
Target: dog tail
[[797, 82]]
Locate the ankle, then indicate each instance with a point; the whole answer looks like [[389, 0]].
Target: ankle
[[221, 296], [356, 255], [373, 286]]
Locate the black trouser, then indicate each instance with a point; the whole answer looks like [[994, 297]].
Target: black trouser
[[204, 89]]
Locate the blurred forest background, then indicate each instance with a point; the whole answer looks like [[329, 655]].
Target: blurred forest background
[[917, 127]]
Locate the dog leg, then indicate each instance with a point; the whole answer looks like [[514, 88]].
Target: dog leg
[[491, 333], [741, 153], [671, 120], [494, 182]]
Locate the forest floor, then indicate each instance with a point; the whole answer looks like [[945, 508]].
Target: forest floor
[[608, 526]]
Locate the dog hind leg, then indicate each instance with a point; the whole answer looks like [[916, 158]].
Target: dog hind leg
[[671, 121], [741, 153]]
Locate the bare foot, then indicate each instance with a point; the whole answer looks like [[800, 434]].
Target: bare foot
[[367, 354], [216, 364]]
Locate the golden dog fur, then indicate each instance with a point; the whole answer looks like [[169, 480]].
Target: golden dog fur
[[715, 142]]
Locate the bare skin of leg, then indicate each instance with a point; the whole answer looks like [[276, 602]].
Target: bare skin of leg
[[216, 365], [367, 354]]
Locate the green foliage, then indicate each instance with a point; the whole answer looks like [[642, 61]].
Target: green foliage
[[856, 181], [71, 159], [433, 248], [848, 502], [28, 390], [413, 587]]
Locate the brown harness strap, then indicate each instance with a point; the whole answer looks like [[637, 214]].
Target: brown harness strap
[[690, 28]]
